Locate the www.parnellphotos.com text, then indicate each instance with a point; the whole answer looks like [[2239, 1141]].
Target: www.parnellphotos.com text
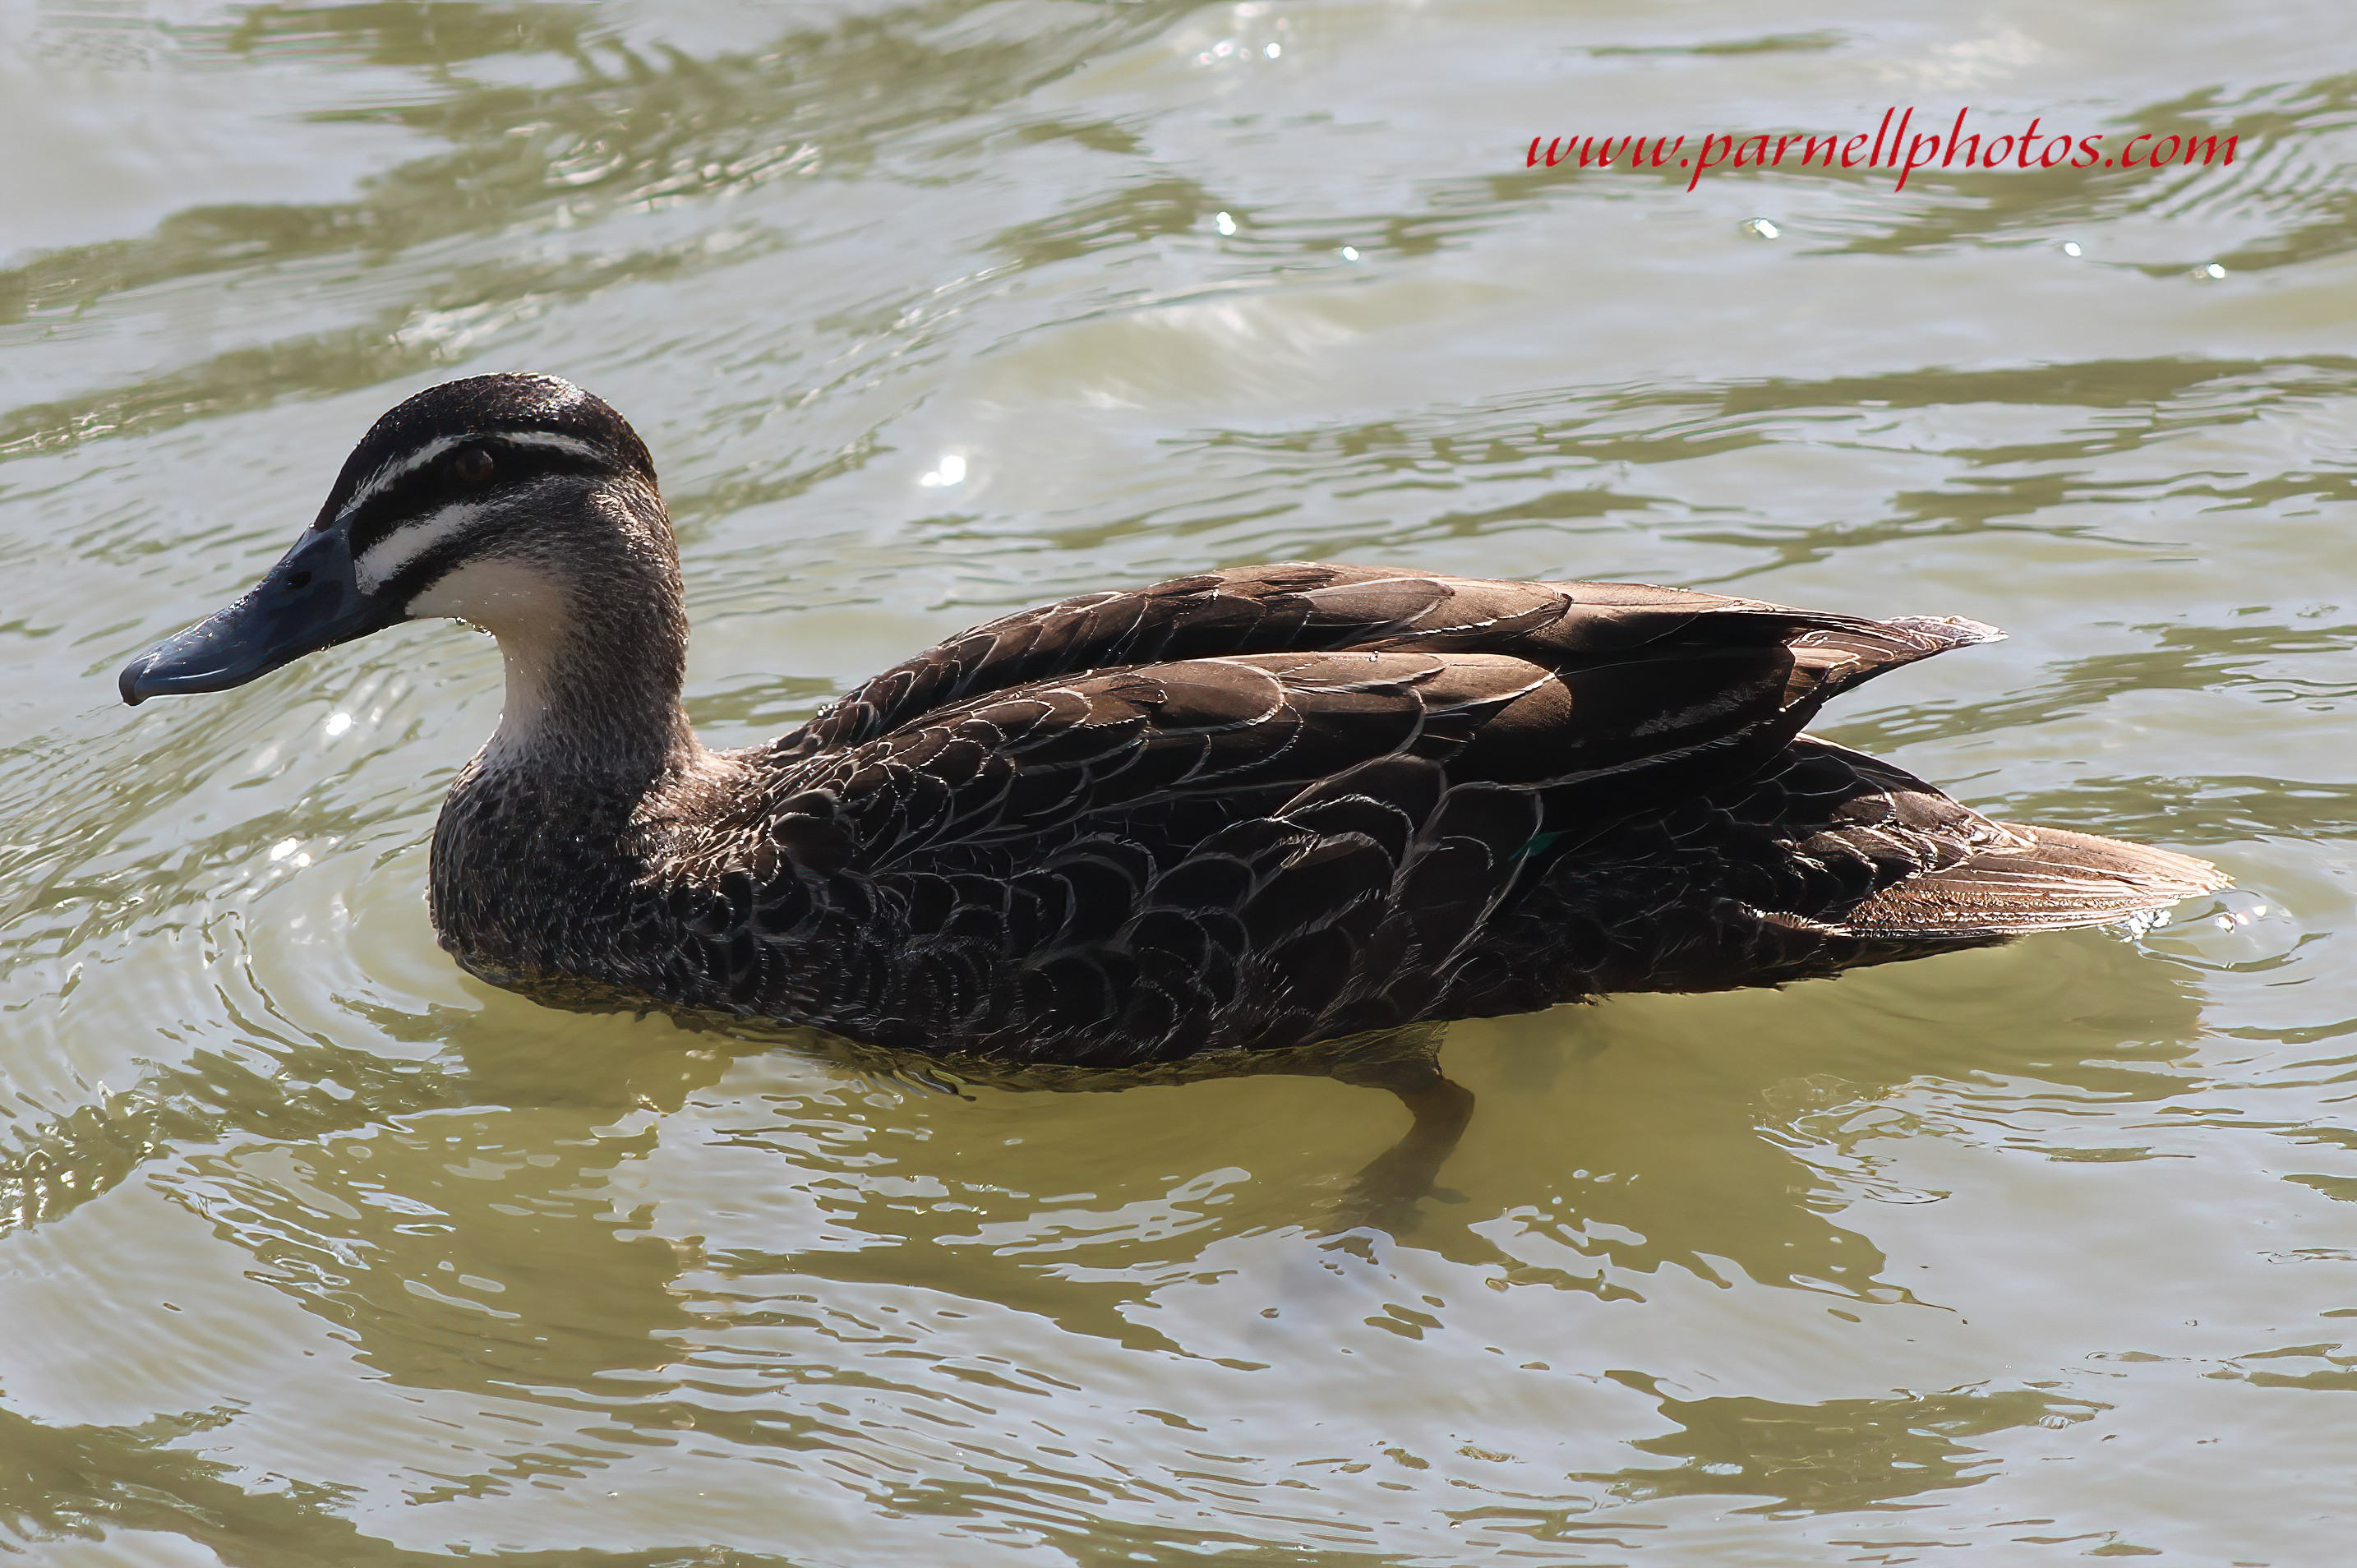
[[1892, 149]]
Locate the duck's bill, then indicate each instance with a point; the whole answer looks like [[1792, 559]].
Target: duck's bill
[[310, 601]]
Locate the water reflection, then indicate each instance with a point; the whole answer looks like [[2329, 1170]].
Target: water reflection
[[475, 1249], [1843, 1454], [479, 1227]]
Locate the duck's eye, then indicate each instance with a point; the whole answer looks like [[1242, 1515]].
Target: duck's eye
[[471, 465]]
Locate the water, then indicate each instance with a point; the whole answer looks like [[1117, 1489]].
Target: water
[[316, 1251]]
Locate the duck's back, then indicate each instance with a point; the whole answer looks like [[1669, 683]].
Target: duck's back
[[1254, 808]]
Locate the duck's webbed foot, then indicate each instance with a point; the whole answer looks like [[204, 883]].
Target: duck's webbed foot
[[1384, 1195]]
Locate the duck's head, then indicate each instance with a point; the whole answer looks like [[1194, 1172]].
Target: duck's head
[[510, 502]]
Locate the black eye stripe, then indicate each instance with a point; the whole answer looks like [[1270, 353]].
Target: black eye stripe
[[436, 484]]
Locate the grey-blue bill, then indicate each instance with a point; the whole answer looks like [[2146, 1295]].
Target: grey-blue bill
[[309, 600]]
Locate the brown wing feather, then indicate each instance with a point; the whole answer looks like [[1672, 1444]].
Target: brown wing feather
[[1254, 850], [1315, 607]]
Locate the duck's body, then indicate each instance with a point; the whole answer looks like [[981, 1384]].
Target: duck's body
[[1243, 810]]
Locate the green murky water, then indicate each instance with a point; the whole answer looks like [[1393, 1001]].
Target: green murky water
[[313, 1251]]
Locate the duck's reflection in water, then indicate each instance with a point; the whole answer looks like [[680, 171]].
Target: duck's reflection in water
[[1697, 1133], [656, 1236], [478, 1239], [1724, 1134]]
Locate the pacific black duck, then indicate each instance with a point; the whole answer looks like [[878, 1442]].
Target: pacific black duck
[[1237, 812]]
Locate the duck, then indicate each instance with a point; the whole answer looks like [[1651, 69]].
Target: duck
[[1240, 811]]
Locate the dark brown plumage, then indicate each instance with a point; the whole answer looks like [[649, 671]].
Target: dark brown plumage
[[1241, 811]]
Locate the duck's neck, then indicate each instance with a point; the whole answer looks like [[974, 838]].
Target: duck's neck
[[595, 648], [550, 834], [593, 694]]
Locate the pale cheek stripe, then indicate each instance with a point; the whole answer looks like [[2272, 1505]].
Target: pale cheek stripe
[[380, 562]]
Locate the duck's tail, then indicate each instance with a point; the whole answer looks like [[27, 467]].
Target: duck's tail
[[2040, 879]]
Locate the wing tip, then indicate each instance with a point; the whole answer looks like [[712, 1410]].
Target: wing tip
[[1948, 631]]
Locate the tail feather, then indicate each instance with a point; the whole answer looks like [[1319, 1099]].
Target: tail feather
[[2044, 879]]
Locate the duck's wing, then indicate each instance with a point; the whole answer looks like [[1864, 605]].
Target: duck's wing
[[1310, 607], [1120, 861]]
